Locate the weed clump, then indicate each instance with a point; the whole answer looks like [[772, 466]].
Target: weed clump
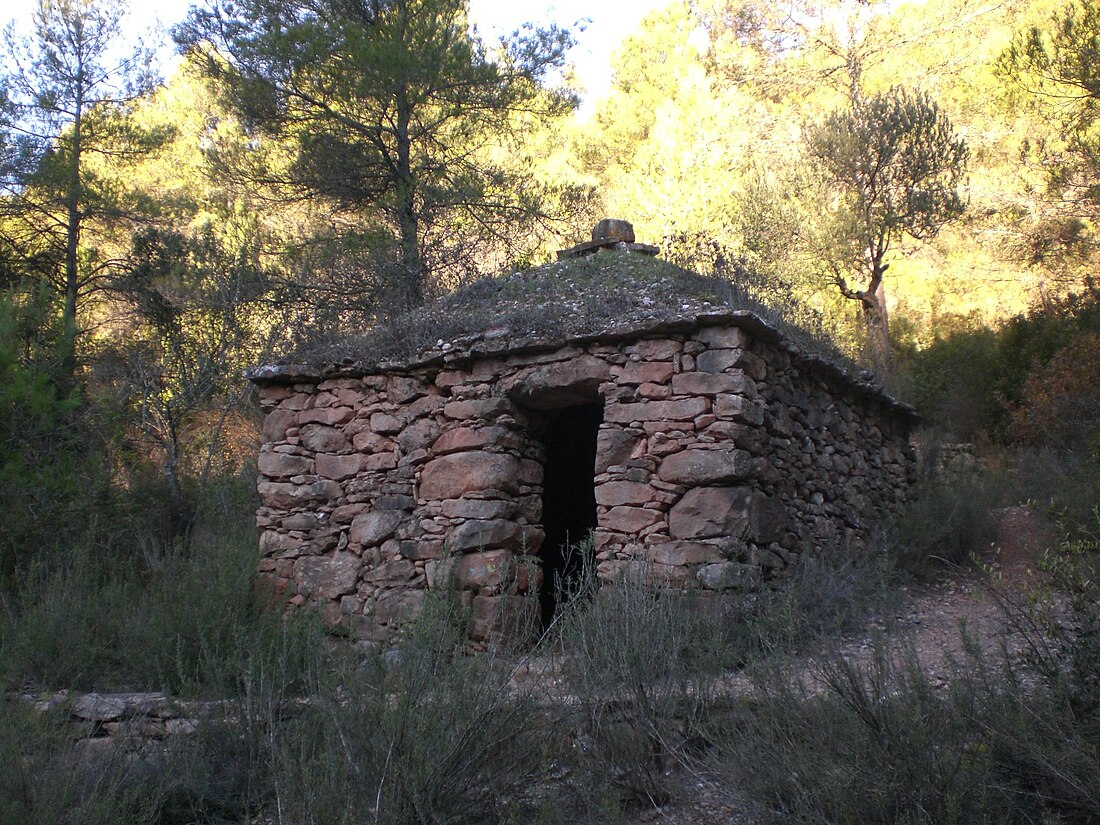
[[177, 616]]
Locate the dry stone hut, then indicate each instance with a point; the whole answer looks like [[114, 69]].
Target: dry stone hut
[[702, 441]]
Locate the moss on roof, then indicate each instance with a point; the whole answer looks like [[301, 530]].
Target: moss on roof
[[567, 299], [608, 296]]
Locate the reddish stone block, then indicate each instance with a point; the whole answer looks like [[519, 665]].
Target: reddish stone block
[[366, 441], [320, 438], [483, 409], [662, 411], [561, 384], [453, 476], [656, 349], [629, 519], [614, 445], [331, 416], [475, 438], [418, 436], [708, 383], [386, 424], [491, 569], [379, 462], [740, 409], [338, 467], [642, 372], [395, 607], [277, 423], [283, 465], [615, 493], [287, 496], [681, 553], [735, 512], [327, 577], [724, 337], [391, 573], [703, 466], [370, 529], [477, 534]]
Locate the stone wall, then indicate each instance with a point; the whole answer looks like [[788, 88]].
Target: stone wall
[[722, 455]]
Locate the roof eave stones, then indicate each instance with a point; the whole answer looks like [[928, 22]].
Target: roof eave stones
[[473, 348]]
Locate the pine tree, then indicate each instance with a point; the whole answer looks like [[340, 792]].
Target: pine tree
[[68, 93], [394, 114]]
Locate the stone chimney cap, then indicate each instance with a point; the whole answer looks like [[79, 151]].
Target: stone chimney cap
[[609, 234], [613, 229]]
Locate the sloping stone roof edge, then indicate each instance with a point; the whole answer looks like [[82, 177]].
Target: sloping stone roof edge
[[472, 348]]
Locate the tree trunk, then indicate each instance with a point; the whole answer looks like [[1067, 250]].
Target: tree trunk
[[72, 244], [411, 288], [872, 301], [878, 327]]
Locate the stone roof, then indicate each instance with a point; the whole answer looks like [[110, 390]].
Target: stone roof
[[611, 296]]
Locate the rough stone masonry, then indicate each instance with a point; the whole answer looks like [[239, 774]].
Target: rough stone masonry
[[718, 453]]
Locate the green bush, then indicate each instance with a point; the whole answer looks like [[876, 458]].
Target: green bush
[[852, 744], [638, 659], [50, 481], [223, 772], [180, 617], [420, 733], [826, 593], [957, 384], [883, 743], [46, 779], [972, 382], [1060, 618], [1062, 486], [1060, 406], [950, 519]]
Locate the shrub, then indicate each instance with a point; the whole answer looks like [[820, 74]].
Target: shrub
[[826, 593], [48, 780], [644, 666], [951, 518], [852, 744], [421, 733], [640, 660], [185, 618], [1001, 741], [50, 480], [991, 383], [1063, 486], [1060, 619], [1060, 405], [956, 384]]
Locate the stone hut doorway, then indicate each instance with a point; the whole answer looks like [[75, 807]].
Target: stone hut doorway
[[568, 500]]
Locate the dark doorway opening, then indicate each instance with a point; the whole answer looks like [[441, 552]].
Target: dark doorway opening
[[568, 500]]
